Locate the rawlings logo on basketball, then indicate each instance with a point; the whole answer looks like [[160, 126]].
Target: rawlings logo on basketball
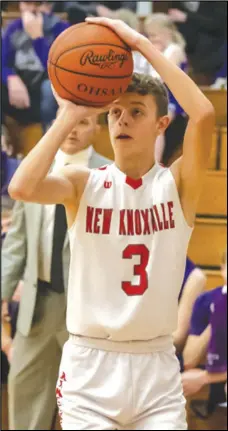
[[103, 61]]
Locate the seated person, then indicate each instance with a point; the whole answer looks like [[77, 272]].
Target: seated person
[[8, 167], [193, 285], [9, 315], [26, 89], [207, 340]]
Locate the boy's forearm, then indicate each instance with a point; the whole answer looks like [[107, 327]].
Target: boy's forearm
[[187, 93], [36, 165]]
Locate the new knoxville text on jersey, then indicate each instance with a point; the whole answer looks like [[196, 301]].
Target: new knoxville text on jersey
[[131, 221]]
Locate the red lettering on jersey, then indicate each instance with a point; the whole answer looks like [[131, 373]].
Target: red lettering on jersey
[[154, 226], [130, 222], [145, 216], [102, 168], [107, 221], [166, 224], [89, 219], [171, 220], [160, 224], [122, 229], [96, 227], [138, 226]]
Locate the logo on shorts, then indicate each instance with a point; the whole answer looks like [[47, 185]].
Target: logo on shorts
[[107, 184], [58, 391]]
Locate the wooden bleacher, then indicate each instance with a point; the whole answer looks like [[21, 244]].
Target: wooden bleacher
[[213, 162], [218, 99], [208, 242], [214, 278], [213, 200], [223, 149]]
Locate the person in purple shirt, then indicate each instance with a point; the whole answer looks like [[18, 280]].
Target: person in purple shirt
[[26, 89], [207, 341], [193, 285]]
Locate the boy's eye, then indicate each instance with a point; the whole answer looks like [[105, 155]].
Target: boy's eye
[[136, 112], [115, 111]]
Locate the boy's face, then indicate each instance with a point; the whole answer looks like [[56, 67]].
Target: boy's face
[[81, 136], [134, 124], [28, 6]]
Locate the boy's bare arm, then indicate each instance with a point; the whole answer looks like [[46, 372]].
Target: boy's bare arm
[[31, 181], [190, 169]]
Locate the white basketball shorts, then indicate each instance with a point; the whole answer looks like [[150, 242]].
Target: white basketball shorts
[[99, 389]]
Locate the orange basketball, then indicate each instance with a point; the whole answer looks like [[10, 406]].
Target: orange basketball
[[90, 65]]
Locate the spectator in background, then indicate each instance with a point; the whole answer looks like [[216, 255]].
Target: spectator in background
[[208, 340], [78, 10], [8, 167], [221, 76], [193, 285], [203, 26], [36, 249], [26, 89], [166, 38], [128, 16]]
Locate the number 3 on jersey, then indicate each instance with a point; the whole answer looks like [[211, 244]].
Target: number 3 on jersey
[[140, 270]]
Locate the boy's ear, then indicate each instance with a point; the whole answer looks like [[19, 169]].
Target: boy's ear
[[163, 123]]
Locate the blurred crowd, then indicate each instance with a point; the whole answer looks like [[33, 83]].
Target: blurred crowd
[[193, 36]]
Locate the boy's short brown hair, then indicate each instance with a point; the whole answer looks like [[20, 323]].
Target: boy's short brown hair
[[146, 84]]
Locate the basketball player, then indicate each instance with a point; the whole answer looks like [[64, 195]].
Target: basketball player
[[129, 227]]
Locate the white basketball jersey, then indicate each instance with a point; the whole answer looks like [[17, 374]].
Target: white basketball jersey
[[128, 253]]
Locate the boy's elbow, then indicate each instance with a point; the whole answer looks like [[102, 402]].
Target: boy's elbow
[[207, 112], [17, 193]]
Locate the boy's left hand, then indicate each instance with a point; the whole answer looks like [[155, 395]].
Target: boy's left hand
[[127, 34]]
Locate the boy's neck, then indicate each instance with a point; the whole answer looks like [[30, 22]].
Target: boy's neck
[[134, 167]]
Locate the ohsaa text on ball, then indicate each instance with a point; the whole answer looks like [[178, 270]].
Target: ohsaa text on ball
[[97, 91]]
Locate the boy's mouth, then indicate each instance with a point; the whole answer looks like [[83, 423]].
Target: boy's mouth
[[123, 136]]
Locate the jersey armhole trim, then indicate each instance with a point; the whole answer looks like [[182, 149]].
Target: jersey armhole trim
[[81, 200], [190, 228]]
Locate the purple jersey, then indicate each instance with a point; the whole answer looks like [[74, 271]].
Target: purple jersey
[[201, 311], [217, 350]]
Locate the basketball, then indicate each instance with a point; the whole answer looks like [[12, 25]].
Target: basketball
[[89, 64]]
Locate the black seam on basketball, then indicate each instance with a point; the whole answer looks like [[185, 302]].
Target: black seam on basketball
[[98, 104], [57, 44], [91, 76], [93, 44]]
